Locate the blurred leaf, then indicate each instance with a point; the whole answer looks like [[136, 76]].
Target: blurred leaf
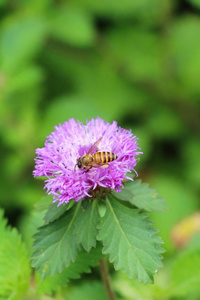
[[44, 203], [145, 143], [195, 3], [20, 40], [191, 160], [67, 107], [185, 47], [186, 274], [141, 9], [134, 290], [83, 263], [35, 6], [31, 221], [104, 94], [2, 3], [28, 77], [106, 91], [33, 195], [130, 241], [73, 26], [181, 201], [140, 195], [142, 62], [54, 246], [14, 262], [28, 226], [194, 244], [165, 123], [86, 291]]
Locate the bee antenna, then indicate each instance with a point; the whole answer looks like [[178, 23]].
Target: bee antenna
[[75, 167]]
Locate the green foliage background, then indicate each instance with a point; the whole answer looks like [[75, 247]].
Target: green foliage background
[[134, 61]]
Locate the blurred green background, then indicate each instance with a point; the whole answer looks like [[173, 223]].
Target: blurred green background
[[134, 61]]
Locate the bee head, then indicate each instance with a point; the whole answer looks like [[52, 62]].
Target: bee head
[[79, 164]]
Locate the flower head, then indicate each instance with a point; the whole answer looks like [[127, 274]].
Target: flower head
[[70, 141]]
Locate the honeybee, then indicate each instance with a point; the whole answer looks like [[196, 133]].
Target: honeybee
[[94, 158]]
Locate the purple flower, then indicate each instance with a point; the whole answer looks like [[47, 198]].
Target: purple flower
[[72, 140]]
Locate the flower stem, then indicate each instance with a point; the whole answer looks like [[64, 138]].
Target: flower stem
[[106, 279]]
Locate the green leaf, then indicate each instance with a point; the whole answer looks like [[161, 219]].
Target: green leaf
[[86, 225], [144, 10], [55, 245], [28, 226], [182, 201], [140, 65], [165, 124], [83, 263], [140, 195], [186, 274], [130, 240], [21, 39], [44, 204], [29, 77], [185, 35], [73, 26], [88, 291], [191, 160], [55, 211], [195, 3], [14, 263], [66, 107]]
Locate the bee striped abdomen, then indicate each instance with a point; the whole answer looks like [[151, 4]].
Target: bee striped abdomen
[[104, 157]]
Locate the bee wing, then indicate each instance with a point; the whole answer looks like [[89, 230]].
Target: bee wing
[[94, 147]]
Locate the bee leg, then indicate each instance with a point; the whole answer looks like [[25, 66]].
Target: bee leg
[[87, 170], [104, 166]]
